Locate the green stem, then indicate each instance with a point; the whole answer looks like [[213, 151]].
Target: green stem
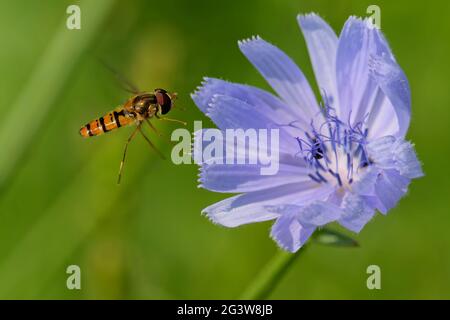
[[270, 275]]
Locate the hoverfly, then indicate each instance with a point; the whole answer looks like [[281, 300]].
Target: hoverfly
[[140, 108]]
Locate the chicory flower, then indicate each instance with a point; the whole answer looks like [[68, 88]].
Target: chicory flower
[[340, 160]]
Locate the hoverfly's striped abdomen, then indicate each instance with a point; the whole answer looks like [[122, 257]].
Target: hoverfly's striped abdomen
[[108, 122]]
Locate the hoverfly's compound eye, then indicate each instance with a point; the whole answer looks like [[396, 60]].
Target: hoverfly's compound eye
[[164, 100]]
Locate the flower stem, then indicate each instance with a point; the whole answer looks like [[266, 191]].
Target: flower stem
[[270, 275]]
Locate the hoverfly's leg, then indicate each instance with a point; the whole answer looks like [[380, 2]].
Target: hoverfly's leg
[[153, 128], [171, 120], [157, 131], [152, 146], [125, 153], [125, 83]]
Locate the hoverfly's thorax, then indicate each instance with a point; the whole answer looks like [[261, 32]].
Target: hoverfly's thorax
[[142, 104]]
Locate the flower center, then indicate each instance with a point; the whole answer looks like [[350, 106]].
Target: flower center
[[335, 151]]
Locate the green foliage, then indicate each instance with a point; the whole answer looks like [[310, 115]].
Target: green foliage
[[333, 238]]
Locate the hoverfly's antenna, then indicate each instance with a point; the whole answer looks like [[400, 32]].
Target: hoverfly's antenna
[[174, 96], [173, 120], [125, 83]]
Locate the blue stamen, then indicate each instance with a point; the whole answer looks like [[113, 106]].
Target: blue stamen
[[333, 134], [314, 178], [321, 177]]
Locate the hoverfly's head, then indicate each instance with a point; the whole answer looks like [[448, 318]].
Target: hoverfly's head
[[165, 100]]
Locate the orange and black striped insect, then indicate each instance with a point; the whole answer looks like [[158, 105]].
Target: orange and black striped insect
[[138, 109]]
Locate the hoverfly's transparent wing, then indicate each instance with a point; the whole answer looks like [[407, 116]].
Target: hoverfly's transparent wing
[[125, 83]]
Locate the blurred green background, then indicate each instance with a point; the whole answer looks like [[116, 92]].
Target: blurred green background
[[59, 202]]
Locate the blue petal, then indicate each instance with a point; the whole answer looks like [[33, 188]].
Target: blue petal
[[390, 153], [390, 187], [263, 101], [213, 146], [380, 151], [317, 213], [252, 207], [356, 212], [394, 84], [322, 46], [354, 49], [296, 223], [364, 95], [231, 113], [247, 177], [406, 160], [366, 184], [283, 75], [381, 189], [290, 234]]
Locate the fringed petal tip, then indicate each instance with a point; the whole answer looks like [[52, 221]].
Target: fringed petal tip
[[282, 245], [289, 234], [210, 217], [203, 93], [200, 87], [251, 39], [200, 179], [360, 20], [307, 15], [406, 159], [308, 20], [214, 218], [399, 154], [212, 104]]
